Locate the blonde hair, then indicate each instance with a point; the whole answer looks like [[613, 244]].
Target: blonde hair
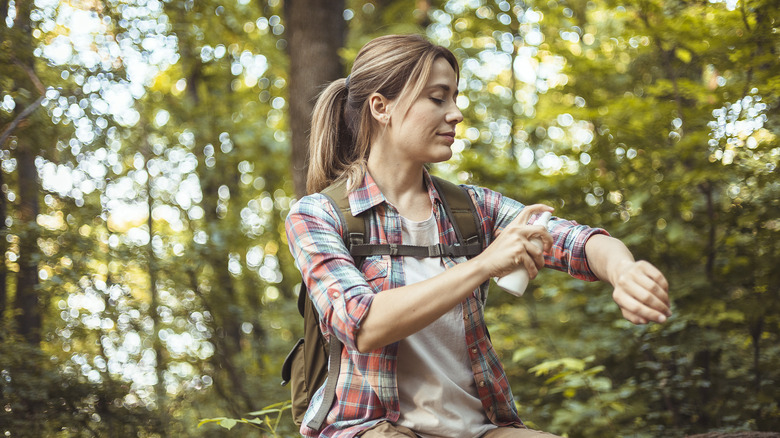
[[395, 66]]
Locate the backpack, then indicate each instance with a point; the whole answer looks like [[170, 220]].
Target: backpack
[[313, 361]]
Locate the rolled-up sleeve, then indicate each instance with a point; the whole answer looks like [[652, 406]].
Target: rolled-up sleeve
[[568, 250], [339, 291]]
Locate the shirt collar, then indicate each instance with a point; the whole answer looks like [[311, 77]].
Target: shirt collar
[[368, 195]]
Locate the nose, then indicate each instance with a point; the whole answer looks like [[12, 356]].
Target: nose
[[454, 116]]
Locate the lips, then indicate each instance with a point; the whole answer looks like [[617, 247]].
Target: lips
[[449, 136]]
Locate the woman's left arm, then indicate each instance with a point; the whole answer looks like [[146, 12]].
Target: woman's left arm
[[640, 289]]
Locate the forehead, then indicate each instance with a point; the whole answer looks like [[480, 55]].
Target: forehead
[[442, 73]]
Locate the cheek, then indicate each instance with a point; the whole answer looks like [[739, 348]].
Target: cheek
[[420, 119], [424, 119]]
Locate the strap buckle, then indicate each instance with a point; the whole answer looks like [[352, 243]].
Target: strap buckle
[[356, 238], [436, 250]]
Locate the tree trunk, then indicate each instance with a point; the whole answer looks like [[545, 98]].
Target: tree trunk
[[27, 300], [315, 33], [3, 9], [3, 206]]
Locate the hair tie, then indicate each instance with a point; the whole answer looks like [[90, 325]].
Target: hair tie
[[346, 83]]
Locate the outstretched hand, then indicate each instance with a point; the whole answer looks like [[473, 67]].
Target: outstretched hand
[[642, 293]]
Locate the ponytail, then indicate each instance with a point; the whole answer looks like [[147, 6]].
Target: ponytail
[[330, 144]]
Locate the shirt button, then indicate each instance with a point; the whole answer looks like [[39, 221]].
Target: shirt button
[[335, 295], [482, 383], [474, 350]]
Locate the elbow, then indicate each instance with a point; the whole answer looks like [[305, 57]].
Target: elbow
[[367, 332], [364, 342], [361, 348]]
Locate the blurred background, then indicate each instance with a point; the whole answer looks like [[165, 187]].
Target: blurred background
[[151, 150]]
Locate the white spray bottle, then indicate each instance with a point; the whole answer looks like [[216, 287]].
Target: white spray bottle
[[516, 282]]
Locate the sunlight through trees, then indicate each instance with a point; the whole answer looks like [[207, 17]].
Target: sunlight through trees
[[149, 160]]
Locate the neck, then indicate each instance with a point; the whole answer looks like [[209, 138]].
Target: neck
[[402, 185]]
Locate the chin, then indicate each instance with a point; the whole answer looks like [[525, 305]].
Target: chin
[[441, 157]]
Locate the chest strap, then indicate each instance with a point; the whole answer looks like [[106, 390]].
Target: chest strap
[[438, 250]]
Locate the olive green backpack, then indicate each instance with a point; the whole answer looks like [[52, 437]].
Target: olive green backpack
[[306, 366]]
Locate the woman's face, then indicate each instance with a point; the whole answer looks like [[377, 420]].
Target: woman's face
[[426, 132]]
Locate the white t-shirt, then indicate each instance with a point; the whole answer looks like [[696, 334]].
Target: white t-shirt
[[435, 383]]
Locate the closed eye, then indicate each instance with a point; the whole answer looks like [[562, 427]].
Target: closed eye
[[437, 101]]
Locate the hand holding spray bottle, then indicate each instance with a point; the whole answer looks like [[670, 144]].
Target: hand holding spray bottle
[[516, 282]]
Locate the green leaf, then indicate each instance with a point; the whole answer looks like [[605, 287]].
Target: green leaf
[[620, 407], [228, 423], [522, 353], [211, 420], [568, 363], [273, 409], [264, 412]]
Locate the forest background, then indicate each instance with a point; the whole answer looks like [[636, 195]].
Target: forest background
[[151, 150]]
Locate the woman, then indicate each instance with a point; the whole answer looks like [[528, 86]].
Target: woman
[[417, 360]]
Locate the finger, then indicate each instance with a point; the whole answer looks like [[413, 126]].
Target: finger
[[657, 277], [539, 232], [537, 254], [547, 240], [649, 277], [529, 262], [633, 306], [645, 290], [530, 267], [636, 309], [528, 211], [633, 318]]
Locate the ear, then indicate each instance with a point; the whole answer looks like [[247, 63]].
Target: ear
[[380, 107]]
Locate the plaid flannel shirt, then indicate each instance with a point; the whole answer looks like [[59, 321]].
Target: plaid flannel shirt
[[367, 390]]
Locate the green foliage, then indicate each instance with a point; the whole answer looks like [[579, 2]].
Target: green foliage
[[41, 397], [658, 121], [263, 422], [164, 282]]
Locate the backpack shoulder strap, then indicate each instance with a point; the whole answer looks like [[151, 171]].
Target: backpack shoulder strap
[[353, 233], [354, 227], [460, 208], [462, 212]]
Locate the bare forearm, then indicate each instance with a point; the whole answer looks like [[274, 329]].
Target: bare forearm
[[607, 257], [397, 313], [640, 289]]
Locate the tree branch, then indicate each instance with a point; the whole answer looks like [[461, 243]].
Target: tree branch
[[31, 74], [707, 188], [16, 121], [743, 13], [27, 111], [3, 10]]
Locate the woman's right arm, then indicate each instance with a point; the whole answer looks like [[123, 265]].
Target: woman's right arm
[[367, 321], [338, 290]]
